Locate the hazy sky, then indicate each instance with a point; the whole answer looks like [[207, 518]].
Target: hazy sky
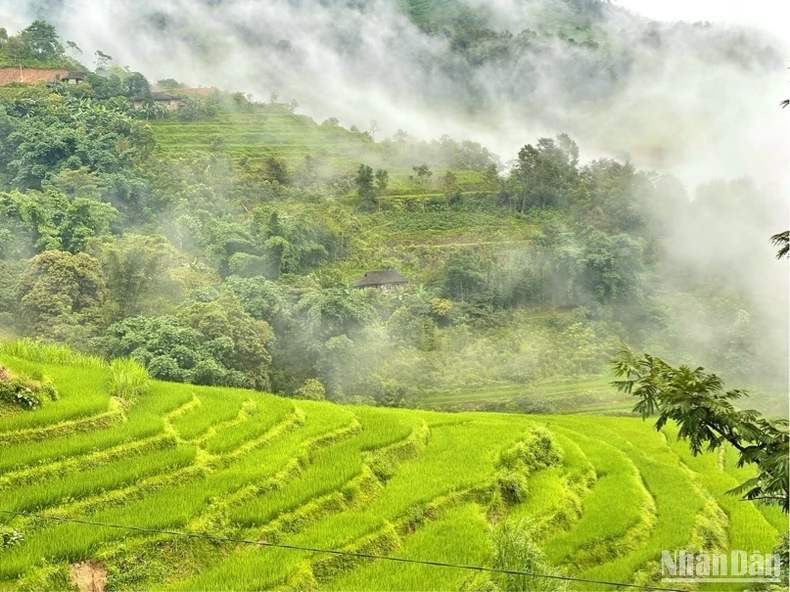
[[771, 14]]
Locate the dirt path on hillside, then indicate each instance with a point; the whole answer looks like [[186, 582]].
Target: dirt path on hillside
[[89, 576]]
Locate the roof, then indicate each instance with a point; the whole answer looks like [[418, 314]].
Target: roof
[[157, 95], [75, 75], [160, 95], [380, 278], [201, 90]]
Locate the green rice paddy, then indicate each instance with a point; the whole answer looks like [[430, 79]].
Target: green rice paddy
[[421, 485]]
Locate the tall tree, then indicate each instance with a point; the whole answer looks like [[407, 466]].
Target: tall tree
[[365, 183], [62, 296], [40, 42]]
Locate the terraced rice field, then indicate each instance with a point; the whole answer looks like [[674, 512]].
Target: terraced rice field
[[410, 484], [592, 396], [269, 131], [256, 135]]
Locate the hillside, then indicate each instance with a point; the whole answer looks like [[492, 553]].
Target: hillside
[[242, 225], [603, 495]]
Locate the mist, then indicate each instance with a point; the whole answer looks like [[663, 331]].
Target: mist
[[692, 100]]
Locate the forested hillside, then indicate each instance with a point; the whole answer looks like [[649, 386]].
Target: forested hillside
[[218, 244]]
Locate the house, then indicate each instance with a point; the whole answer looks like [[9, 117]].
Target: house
[[74, 77], [171, 102], [385, 279]]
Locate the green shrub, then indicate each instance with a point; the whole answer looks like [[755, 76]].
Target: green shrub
[[9, 538], [514, 549], [312, 390], [537, 452], [128, 380], [24, 391], [512, 486]]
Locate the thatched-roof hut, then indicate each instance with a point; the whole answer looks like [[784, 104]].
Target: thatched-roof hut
[[385, 279]]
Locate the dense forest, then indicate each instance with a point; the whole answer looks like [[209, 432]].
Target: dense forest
[[218, 244]]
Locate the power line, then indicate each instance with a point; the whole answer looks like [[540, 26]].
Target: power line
[[196, 535]]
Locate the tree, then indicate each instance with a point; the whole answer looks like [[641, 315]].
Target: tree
[[451, 188], [782, 240], [85, 218], [74, 47], [696, 401], [364, 182], [331, 320], [169, 84], [137, 85], [233, 339], [374, 129], [74, 183], [606, 269], [102, 59], [136, 270], [463, 277], [62, 296], [277, 170], [208, 342], [260, 298], [542, 174], [491, 177], [382, 181], [424, 175], [40, 42], [312, 390]]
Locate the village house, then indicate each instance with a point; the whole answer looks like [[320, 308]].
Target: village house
[[171, 102], [74, 77], [385, 279]]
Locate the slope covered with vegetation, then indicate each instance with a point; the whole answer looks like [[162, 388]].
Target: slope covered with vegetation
[[217, 244], [36, 46], [598, 498]]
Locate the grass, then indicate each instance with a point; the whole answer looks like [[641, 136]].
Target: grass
[[409, 483], [677, 501], [81, 394], [261, 418], [465, 525], [75, 485], [590, 396], [128, 380], [213, 408], [748, 527], [329, 469], [610, 510], [144, 420], [48, 353]]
